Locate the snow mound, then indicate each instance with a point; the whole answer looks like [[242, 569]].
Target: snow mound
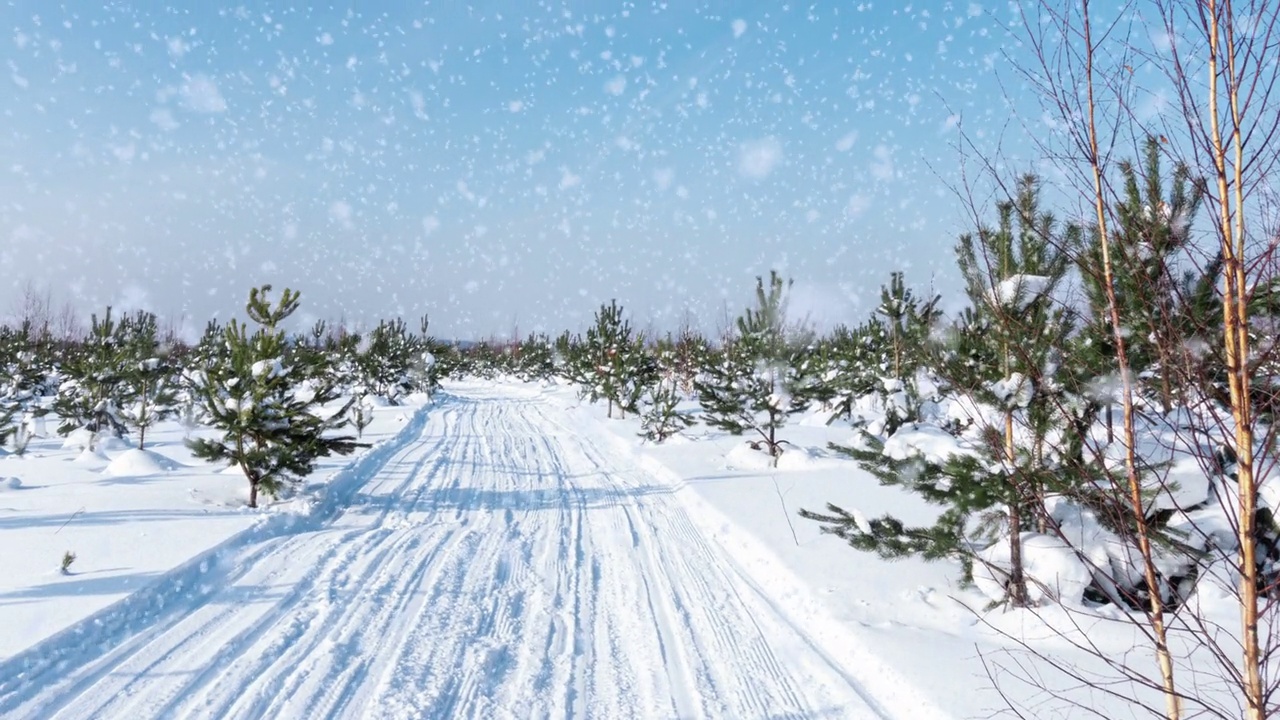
[[111, 442], [10, 483], [817, 418], [90, 457], [1186, 484], [745, 457], [135, 463], [1052, 569], [928, 441], [806, 458], [77, 439]]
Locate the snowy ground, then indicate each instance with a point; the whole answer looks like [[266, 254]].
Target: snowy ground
[[504, 555], [506, 552], [128, 516]]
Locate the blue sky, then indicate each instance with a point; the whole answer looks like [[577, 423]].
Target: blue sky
[[496, 164]]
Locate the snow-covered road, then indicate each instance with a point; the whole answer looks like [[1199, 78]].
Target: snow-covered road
[[503, 562]]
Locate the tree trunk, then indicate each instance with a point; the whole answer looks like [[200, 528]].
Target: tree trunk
[[253, 493], [1173, 703], [1235, 312], [1017, 580]]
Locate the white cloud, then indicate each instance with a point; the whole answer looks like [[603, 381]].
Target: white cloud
[[757, 159], [200, 94]]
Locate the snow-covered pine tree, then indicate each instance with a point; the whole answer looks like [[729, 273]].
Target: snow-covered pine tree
[[571, 360], [152, 395], [385, 361], [361, 414], [857, 361], [536, 360], [91, 390], [660, 417], [426, 370], [8, 410], [270, 430], [765, 373], [24, 376], [148, 393], [1002, 356], [1165, 295], [908, 321], [690, 353], [619, 367]]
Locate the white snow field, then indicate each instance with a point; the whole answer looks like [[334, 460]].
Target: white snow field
[[499, 558]]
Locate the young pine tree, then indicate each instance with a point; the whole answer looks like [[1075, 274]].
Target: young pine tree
[[908, 321], [765, 374], [384, 364], [268, 429], [24, 372], [660, 417], [148, 392], [1163, 308], [617, 367], [89, 395], [1003, 356]]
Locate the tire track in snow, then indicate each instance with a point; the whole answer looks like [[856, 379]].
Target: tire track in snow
[[40, 681], [506, 564], [172, 690]]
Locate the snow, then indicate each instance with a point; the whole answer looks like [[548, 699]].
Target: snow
[[1017, 292], [1053, 570], [138, 463], [928, 441], [507, 550], [131, 516], [500, 556]]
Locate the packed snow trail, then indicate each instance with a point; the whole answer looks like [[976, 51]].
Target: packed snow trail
[[501, 564]]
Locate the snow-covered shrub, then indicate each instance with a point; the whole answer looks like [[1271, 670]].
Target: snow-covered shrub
[[765, 374], [269, 429]]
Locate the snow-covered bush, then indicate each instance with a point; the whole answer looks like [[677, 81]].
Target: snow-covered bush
[[764, 375], [268, 428]]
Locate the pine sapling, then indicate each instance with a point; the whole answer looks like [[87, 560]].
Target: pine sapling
[[270, 428], [660, 418], [361, 415], [765, 374]]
